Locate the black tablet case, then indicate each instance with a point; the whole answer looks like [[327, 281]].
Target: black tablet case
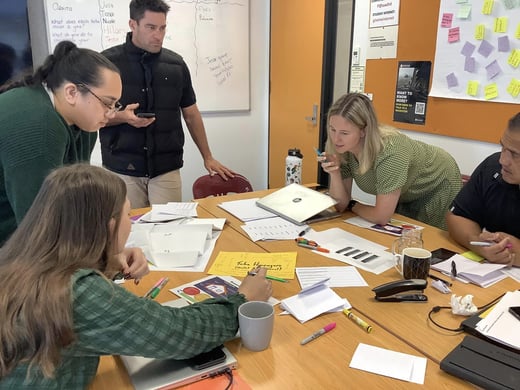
[[484, 364]]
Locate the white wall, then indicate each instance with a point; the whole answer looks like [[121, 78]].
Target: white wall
[[467, 153], [238, 140]]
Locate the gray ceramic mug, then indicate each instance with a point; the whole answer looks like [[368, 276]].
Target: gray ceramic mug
[[256, 321]]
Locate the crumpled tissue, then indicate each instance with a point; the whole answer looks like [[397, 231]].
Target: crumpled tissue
[[463, 305]]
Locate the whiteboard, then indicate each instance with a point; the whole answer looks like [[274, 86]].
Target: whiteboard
[[478, 67], [211, 35]]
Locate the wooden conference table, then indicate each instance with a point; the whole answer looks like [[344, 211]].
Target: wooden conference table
[[324, 363], [408, 321]]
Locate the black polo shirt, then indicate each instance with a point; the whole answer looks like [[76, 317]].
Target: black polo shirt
[[488, 200]]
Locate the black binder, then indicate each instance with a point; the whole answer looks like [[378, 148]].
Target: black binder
[[484, 364]]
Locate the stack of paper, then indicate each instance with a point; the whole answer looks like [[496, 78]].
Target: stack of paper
[[481, 274], [500, 325], [170, 211], [312, 301], [178, 245], [181, 245], [246, 209]]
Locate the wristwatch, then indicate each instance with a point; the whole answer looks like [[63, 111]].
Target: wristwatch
[[351, 204]]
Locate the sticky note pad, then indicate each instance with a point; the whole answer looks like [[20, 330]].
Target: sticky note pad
[[480, 31], [493, 69], [446, 20], [491, 91], [487, 7], [472, 88], [470, 64], [467, 49], [472, 256], [464, 11], [452, 81], [485, 48], [514, 88], [509, 4], [454, 34], [503, 43], [501, 24], [514, 58]]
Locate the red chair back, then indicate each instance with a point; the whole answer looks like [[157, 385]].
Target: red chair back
[[214, 185]]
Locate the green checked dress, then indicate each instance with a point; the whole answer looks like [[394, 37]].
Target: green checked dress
[[428, 177]]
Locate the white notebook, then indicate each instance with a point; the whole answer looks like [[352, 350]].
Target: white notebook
[[312, 301], [298, 204]]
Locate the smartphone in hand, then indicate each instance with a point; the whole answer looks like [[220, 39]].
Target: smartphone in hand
[[145, 114]]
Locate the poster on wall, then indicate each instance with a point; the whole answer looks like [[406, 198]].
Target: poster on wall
[[477, 54], [411, 92], [384, 13]]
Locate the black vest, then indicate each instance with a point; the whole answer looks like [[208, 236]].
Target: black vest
[[160, 83]]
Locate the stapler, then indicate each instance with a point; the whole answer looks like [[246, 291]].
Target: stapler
[[391, 292]]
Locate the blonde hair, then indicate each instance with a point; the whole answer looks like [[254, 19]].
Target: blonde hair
[[67, 228], [358, 109]]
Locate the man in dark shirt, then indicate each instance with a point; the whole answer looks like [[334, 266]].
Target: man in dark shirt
[[144, 143], [487, 209]]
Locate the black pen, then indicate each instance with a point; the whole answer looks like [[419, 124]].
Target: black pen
[[304, 231], [449, 284], [453, 269]]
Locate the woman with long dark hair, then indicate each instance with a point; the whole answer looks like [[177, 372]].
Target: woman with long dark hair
[[59, 312]]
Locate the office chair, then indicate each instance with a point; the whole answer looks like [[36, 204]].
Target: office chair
[[214, 185]]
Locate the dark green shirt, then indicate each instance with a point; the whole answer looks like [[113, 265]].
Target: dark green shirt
[[34, 139], [109, 320]]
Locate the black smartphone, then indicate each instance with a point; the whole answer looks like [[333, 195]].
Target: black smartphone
[[441, 254], [207, 359], [145, 114], [515, 310]]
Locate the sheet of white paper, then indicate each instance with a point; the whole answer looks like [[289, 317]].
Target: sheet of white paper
[[311, 304], [361, 253], [389, 363], [501, 325], [246, 209], [186, 209], [343, 276], [513, 272], [217, 223], [276, 228]]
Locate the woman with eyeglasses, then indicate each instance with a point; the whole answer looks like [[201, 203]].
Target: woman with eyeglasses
[[48, 119], [59, 312]]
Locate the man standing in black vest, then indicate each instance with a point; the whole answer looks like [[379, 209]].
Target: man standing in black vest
[[144, 143]]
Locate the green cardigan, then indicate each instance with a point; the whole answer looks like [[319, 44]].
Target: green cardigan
[[34, 139]]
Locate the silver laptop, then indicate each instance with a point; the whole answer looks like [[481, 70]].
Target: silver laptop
[[299, 204], [148, 374]]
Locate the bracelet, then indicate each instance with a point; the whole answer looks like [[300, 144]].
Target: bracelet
[[351, 204]]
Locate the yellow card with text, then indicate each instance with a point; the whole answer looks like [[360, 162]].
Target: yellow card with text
[[279, 264]]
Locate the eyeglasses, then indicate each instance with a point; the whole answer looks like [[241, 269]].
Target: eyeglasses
[[111, 108]]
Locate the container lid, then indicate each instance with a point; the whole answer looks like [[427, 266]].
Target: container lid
[[295, 152]]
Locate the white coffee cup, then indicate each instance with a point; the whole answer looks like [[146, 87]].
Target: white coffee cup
[[256, 321]]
